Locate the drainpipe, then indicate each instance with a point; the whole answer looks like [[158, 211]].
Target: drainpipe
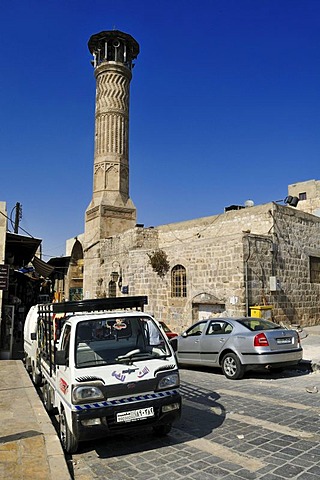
[[246, 281], [246, 286]]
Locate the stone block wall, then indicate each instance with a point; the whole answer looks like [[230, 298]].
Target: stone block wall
[[228, 259], [298, 299], [210, 249]]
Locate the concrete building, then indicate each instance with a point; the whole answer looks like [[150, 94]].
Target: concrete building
[[264, 258], [308, 194]]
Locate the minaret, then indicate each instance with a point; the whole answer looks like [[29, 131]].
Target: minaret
[[111, 210]]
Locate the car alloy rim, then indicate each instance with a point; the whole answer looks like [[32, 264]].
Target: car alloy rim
[[230, 366]]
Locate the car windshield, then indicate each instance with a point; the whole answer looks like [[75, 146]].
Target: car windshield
[[255, 324], [105, 341]]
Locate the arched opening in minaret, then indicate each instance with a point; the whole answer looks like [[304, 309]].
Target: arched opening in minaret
[[76, 272]]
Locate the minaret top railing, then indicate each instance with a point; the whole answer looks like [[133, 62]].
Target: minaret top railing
[[113, 46]]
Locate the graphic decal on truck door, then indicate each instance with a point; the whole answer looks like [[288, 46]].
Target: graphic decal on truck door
[[63, 386], [119, 376]]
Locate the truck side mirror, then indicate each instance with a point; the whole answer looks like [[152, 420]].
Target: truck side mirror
[[33, 336], [174, 344], [60, 357]]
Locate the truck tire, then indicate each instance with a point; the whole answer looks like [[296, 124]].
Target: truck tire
[[36, 377], [162, 430], [27, 365], [47, 401], [68, 440]]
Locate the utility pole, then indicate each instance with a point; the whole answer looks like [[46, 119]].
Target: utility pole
[[18, 217]]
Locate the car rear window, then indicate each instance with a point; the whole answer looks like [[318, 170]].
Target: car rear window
[[255, 324]]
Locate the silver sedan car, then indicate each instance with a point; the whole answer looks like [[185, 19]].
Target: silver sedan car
[[237, 345]]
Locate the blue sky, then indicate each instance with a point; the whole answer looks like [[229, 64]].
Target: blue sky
[[225, 106]]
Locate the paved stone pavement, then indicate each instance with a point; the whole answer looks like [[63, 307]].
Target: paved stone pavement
[[310, 339], [261, 427], [29, 446], [264, 427]]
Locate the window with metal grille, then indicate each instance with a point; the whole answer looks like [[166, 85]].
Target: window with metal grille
[[314, 269], [112, 289], [178, 281]]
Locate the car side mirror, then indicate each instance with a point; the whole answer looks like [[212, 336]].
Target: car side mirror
[[184, 334]]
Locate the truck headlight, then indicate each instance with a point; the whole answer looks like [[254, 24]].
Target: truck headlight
[[169, 381], [85, 393]]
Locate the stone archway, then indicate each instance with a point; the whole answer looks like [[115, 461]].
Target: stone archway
[[205, 305], [75, 273]]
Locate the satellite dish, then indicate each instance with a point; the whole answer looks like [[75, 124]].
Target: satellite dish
[[249, 203]]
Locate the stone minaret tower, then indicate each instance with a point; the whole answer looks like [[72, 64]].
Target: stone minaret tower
[[111, 210]]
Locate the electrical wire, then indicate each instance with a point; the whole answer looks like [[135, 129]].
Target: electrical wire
[[8, 218]]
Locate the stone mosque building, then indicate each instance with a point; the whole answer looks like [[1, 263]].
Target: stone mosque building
[[262, 259]]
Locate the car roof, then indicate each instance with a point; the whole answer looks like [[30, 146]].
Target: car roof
[[219, 319]]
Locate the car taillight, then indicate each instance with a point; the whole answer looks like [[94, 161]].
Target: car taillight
[[298, 340], [260, 340]]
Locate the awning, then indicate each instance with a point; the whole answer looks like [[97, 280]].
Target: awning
[[61, 265], [20, 249], [42, 267]]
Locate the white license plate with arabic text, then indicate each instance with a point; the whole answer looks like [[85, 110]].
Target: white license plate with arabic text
[[282, 341], [134, 415]]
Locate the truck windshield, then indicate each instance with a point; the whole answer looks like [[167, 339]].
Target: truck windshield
[[106, 341]]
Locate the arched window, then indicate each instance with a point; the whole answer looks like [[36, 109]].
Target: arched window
[[178, 281]]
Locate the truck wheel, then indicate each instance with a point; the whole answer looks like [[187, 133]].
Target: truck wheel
[[69, 441], [46, 393], [36, 377], [232, 367], [162, 430], [27, 363]]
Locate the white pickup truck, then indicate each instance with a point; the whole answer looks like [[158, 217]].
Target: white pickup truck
[[104, 365]]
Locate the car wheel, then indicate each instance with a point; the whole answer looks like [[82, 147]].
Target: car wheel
[[232, 367], [162, 430], [68, 440]]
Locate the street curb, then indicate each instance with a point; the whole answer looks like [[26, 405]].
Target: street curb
[[315, 367], [309, 365], [55, 455]]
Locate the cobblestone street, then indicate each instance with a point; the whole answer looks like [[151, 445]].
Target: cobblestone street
[[265, 426]]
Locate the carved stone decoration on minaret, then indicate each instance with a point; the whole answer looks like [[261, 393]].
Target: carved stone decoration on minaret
[[111, 211]]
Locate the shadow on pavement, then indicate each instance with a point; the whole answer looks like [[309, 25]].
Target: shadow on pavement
[[198, 404], [304, 368], [19, 436]]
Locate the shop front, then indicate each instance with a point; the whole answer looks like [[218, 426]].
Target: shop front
[[20, 290]]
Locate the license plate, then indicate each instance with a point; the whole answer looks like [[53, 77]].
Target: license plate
[[282, 341], [134, 415]]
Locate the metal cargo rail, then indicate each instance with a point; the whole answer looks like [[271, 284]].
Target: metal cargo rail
[[115, 303]]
